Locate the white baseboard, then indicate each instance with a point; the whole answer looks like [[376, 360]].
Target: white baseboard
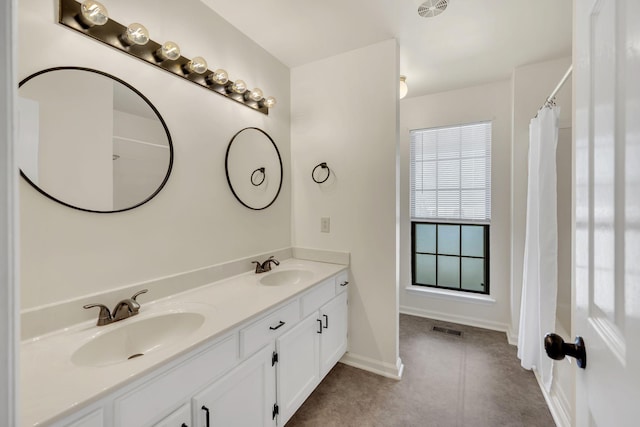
[[557, 402], [455, 318], [512, 336], [377, 367]]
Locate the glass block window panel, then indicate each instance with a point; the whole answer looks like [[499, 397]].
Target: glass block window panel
[[472, 274], [473, 240], [448, 271], [449, 239], [455, 163], [426, 269], [426, 238]]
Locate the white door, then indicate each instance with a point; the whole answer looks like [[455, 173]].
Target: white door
[[607, 234], [333, 340], [298, 365], [242, 398]]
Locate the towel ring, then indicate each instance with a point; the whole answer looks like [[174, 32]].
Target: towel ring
[[322, 165], [253, 181]]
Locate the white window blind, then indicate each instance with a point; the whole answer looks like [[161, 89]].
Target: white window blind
[[451, 173]]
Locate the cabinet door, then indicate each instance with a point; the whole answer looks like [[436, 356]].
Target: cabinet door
[[298, 365], [245, 397], [179, 418], [333, 341]]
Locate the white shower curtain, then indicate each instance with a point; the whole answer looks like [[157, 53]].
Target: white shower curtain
[[540, 270]]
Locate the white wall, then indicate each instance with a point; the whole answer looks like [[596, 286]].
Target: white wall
[[531, 85], [345, 113], [194, 221], [474, 104]]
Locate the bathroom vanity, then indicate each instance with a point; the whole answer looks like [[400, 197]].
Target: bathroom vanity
[[244, 351]]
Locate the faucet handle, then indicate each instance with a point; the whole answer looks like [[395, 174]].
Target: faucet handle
[[137, 294], [104, 317]]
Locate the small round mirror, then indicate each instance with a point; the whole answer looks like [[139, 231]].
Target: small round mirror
[[254, 168], [90, 141]]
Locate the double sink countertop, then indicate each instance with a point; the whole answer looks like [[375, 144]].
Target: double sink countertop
[[57, 379]]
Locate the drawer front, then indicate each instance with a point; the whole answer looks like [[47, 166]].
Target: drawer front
[[146, 403], [181, 417], [318, 296], [268, 328], [94, 419], [342, 282]]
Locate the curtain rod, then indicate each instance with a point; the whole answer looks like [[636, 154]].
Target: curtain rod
[[551, 98]]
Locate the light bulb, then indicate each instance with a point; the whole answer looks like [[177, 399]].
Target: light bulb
[[136, 34], [196, 65], [93, 13], [403, 87], [239, 86], [219, 77], [256, 94], [270, 102], [169, 50]]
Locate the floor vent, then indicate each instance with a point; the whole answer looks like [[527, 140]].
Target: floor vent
[[447, 331]]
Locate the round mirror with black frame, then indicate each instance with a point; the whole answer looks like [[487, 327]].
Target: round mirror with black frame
[[254, 168], [91, 141]]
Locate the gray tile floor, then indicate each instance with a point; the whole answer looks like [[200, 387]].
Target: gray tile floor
[[474, 380]]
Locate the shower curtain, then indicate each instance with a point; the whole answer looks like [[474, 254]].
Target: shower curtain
[[540, 269]]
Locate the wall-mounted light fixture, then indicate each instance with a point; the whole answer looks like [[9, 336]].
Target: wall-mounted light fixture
[[92, 19], [403, 87]]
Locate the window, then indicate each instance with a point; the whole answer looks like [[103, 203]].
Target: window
[[451, 206]]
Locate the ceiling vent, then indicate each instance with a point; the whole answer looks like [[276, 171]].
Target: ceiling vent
[[431, 8]]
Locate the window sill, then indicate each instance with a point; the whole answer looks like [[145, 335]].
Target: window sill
[[450, 295]]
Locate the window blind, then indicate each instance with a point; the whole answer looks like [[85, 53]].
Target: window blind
[[451, 173]]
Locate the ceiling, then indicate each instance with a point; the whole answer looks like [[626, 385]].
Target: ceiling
[[471, 42]]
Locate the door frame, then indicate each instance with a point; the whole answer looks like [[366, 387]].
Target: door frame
[[9, 290]]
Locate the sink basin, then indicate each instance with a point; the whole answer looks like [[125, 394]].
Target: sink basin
[[286, 277], [135, 338]]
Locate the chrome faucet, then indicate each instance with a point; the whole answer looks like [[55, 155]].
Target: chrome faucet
[[124, 309], [266, 265]]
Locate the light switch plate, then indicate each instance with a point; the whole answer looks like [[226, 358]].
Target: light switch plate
[[325, 225]]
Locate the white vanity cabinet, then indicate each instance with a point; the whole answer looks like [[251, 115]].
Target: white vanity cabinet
[[255, 375], [308, 351], [243, 397]]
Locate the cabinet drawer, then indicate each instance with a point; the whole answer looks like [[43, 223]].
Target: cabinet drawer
[[146, 403], [318, 296], [268, 328], [181, 417], [342, 282], [94, 419]]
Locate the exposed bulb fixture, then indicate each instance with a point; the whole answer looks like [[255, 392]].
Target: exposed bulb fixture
[[219, 77], [239, 86], [403, 87], [256, 94], [169, 50], [135, 34], [196, 65], [93, 13], [270, 102]]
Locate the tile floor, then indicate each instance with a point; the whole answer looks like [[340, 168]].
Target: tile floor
[[449, 381]]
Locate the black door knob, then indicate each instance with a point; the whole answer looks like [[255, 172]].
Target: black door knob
[[557, 349]]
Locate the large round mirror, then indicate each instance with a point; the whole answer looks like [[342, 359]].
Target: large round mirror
[[254, 168], [91, 141]]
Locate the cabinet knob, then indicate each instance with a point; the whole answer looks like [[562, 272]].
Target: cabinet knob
[[345, 283], [326, 321], [320, 326]]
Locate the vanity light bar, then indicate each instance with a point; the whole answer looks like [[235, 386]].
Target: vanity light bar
[[113, 33]]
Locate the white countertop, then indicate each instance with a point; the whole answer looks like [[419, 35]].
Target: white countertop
[[52, 387]]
